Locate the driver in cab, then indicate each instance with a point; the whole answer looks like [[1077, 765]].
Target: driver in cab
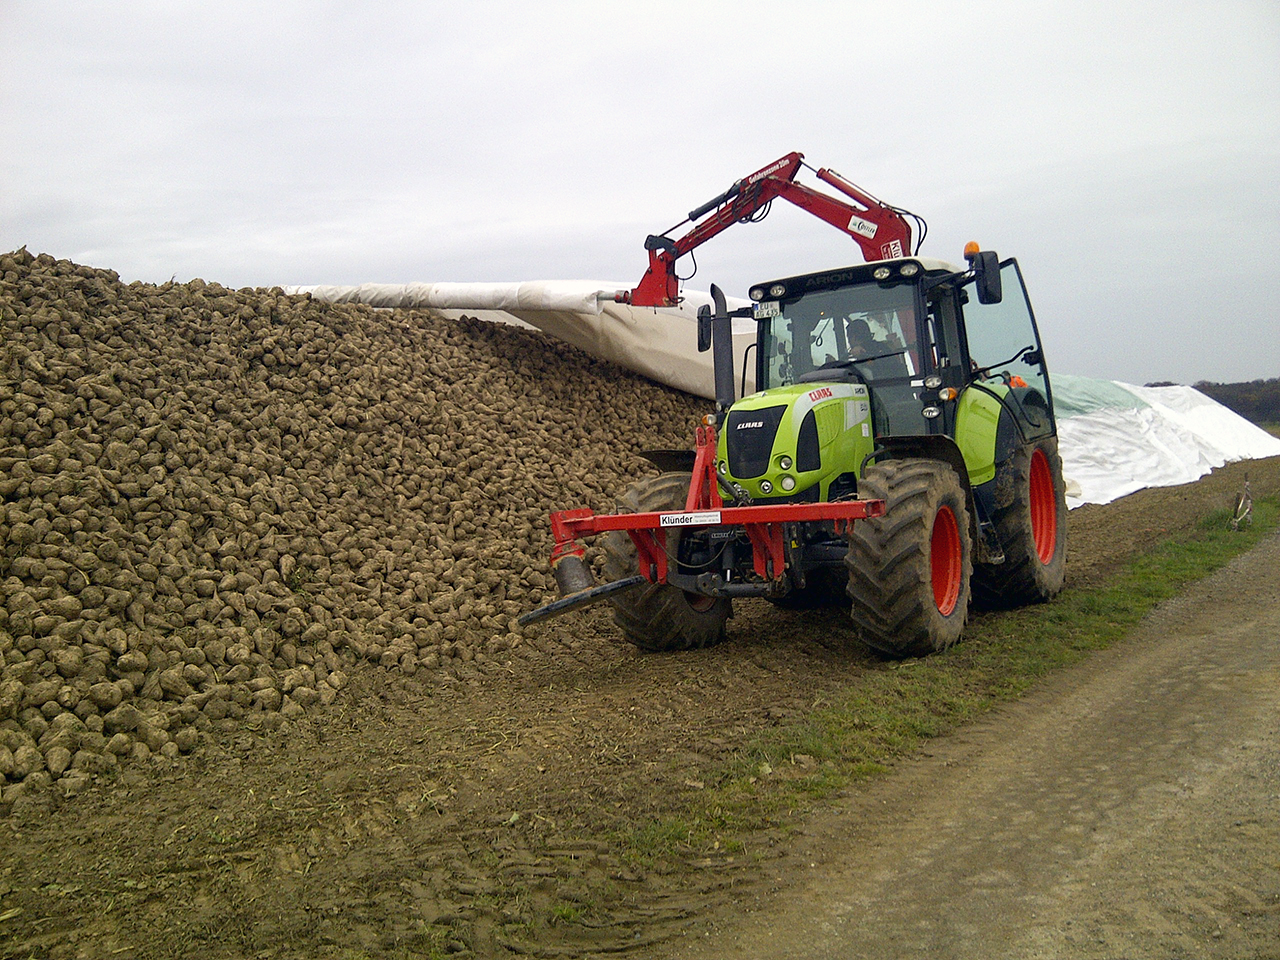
[[885, 356]]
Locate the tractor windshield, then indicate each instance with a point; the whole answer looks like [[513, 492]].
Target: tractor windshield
[[867, 333], [869, 327]]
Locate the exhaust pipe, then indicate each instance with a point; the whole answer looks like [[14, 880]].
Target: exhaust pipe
[[722, 355]]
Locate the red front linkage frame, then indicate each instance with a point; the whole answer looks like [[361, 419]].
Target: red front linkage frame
[[704, 508]]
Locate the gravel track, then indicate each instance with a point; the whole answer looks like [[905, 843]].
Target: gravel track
[[1129, 808]]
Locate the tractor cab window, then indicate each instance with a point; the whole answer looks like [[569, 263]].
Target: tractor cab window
[[1004, 350], [871, 329], [865, 333], [942, 333]]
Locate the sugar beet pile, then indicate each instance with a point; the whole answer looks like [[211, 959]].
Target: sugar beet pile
[[213, 503]]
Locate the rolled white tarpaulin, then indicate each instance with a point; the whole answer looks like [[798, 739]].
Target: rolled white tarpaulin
[[571, 296], [660, 343]]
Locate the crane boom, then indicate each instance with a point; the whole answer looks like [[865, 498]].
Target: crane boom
[[880, 230]]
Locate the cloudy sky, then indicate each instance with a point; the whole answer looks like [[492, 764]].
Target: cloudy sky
[[1127, 153]]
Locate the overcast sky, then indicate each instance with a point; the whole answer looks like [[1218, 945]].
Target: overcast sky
[[1128, 154]]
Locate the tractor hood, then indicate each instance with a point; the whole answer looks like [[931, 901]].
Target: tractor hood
[[794, 442]]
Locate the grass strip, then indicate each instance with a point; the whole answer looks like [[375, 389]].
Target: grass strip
[[891, 710]]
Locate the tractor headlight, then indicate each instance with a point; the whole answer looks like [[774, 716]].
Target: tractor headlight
[[777, 290], [766, 487], [757, 294], [881, 273], [930, 412], [910, 269], [932, 383], [787, 483], [784, 462], [722, 468]]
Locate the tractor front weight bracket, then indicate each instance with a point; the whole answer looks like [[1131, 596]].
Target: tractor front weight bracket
[[765, 526]]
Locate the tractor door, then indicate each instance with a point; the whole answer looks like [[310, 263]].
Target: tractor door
[[1005, 355]]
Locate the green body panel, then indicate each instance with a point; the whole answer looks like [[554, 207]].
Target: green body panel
[[842, 413], [977, 418]]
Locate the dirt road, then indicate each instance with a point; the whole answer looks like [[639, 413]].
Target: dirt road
[[1129, 808]]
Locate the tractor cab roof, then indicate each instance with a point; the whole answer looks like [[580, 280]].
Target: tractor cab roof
[[880, 271]]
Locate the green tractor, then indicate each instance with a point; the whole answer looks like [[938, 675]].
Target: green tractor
[[910, 382], [900, 452]]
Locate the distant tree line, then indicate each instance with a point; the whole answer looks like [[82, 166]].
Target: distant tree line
[[1257, 400]]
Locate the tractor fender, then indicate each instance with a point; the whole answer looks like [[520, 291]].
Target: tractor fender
[[933, 447], [993, 420], [926, 447], [978, 415]]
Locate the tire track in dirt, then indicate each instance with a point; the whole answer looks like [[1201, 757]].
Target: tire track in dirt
[[1129, 808]]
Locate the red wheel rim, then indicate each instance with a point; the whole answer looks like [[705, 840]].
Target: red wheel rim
[[945, 560], [1044, 507], [698, 602]]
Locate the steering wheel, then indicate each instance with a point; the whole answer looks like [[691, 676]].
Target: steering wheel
[[823, 371]]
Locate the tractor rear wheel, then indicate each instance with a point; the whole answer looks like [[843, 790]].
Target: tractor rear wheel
[[1030, 517], [660, 617], [909, 570]]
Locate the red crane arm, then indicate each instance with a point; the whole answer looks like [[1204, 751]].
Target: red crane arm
[[880, 230]]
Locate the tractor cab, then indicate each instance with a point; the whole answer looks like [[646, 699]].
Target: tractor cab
[[913, 354], [847, 326]]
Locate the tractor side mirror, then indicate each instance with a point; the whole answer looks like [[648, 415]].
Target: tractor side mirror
[[986, 275], [704, 328]]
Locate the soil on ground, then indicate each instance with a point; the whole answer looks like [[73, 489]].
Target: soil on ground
[[463, 813], [1129, 807]]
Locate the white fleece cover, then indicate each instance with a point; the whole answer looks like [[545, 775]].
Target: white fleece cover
[[659, 343], [1114, 437]]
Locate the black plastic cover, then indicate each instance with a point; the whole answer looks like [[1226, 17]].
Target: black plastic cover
[[749, 436]]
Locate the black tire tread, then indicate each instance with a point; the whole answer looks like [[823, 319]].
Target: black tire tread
[[890, 580], [658, 617]]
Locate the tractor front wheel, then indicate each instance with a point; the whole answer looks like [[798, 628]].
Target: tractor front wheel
[[656, 616], [909, 570]]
